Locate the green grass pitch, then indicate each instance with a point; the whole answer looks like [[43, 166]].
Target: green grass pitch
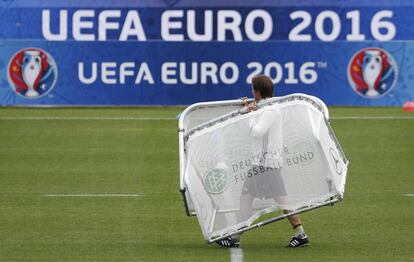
[[58, 152]]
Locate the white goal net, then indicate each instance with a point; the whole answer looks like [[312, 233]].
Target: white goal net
[[237, 166]]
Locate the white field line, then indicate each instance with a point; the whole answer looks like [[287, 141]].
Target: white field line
[[408, 195], [93, 195], [122, 118], [236, 254]]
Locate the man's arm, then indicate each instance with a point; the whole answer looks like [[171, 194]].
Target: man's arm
[[260, 127]]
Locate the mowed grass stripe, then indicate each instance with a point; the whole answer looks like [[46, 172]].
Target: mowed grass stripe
[[99, 118], [102, 118], [92, 195]]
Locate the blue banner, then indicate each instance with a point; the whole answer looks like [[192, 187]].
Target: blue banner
[[182, 52]]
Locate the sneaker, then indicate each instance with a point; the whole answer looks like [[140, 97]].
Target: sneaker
[[299, 241], [228, 242]]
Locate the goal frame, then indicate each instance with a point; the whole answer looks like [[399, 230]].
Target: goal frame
[[184, 132]]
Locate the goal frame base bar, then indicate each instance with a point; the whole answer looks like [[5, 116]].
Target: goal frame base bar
[[275, 219]]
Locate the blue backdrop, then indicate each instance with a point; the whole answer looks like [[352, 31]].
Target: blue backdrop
[[147, 71]]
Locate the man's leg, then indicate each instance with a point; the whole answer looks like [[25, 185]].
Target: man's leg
[[294, 220], [245, 211], [299, 239]]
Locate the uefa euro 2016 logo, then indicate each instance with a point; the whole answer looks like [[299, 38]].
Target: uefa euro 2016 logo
[[372, 72], [32, 73]]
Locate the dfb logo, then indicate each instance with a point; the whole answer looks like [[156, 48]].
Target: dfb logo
[[216, 181], [32, 73]]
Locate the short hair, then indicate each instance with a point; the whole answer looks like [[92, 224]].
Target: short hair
[[264, 85]]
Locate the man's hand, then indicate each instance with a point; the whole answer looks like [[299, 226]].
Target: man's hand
[[244, 101], [251, 107]]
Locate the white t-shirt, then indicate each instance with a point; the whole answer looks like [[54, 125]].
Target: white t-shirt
[[266, 130]]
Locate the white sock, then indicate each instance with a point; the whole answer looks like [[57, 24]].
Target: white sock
[[298, 230], [236, 237]]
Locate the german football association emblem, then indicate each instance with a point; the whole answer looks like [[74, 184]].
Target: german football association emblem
[[216, 181]]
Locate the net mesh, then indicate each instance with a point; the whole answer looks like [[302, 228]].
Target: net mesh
[[202, 114], [282, 156]]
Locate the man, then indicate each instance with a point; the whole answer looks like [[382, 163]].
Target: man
[[267, 182]]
